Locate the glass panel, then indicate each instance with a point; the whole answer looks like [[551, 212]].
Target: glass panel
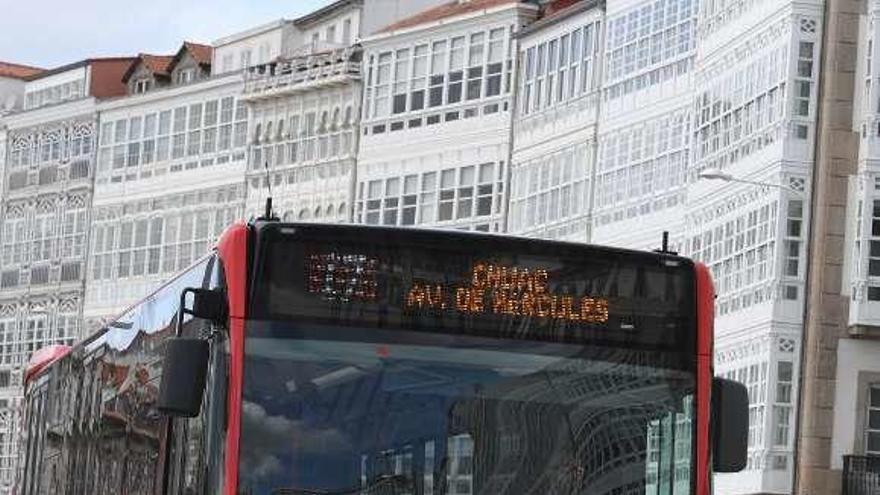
[[874, 420], [785, 371], [874, 442], [357, 411]]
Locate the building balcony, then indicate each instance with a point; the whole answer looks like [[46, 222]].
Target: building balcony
[[314, 47], [284, 77], [861, 475]]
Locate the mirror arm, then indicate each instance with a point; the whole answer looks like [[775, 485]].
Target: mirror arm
[[178, 330]]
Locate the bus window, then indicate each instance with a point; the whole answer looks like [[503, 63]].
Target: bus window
[[106, 391]]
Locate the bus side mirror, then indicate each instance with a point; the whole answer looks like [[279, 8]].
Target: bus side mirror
[[730, 425], [183, 377], [206, 304]]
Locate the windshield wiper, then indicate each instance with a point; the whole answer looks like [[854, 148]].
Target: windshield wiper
[[398, 483]]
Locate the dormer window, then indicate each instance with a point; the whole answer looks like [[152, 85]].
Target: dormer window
[[142, 86], [186, 76]]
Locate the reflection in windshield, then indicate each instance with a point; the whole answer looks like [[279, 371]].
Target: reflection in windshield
[[468, 417]]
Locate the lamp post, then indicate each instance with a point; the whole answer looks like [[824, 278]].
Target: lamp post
[[718, 174]]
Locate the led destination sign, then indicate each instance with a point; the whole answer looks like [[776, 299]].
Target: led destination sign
[[488, 286], [507, 290]]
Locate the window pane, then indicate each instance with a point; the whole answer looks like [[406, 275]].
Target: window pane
[[785, 371], [874, 442], [874, 420], [399, 105], [447, 178], [418, 100], [475, 56], [874, 268]]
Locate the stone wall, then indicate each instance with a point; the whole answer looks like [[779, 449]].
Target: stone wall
[[827, 309]]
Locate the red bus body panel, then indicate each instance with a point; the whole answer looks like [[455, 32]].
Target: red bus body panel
[[705, 335], [232, 249]]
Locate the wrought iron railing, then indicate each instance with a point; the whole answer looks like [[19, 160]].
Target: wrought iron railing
[[861, 475]]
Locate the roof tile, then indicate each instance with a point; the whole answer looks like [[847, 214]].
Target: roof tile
[[446, 10], [202, 53], [18, 71], [158, 64]]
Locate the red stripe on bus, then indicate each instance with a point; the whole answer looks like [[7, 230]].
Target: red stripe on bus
[[232, 248], [233, 405], [705, 336]]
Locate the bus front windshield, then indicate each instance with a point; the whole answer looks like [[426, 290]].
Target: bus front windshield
[[423, 363], [329, 409]]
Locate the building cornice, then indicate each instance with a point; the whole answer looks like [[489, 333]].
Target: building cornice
[[109, 195], [51, 113], [76, 65], [386, 35], [326, 12], [248, 33]]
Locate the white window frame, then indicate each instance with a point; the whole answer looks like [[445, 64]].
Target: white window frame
[[873, 405]]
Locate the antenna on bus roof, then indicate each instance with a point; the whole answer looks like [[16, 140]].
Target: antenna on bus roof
[[664, 248], [267, 215]]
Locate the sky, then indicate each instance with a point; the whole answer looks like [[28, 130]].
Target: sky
[[50, 33]]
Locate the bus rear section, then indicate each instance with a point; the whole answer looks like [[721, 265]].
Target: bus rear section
[[370, 360]]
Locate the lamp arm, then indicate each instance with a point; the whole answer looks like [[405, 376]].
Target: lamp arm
[[766, 184]]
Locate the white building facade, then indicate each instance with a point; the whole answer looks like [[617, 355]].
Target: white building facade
[[170, 178], [47, 183], [644, 130], [756, 106], [555, 129], [615, 86], [258, 45], [305, 110], [435, 141]]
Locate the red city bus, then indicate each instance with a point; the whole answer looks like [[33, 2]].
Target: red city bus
[[318, 359]]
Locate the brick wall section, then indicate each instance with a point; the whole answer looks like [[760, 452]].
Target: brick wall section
[[827, 309], [107, 77]]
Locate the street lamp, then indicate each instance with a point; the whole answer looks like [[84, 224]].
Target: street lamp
[[718, 174]]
